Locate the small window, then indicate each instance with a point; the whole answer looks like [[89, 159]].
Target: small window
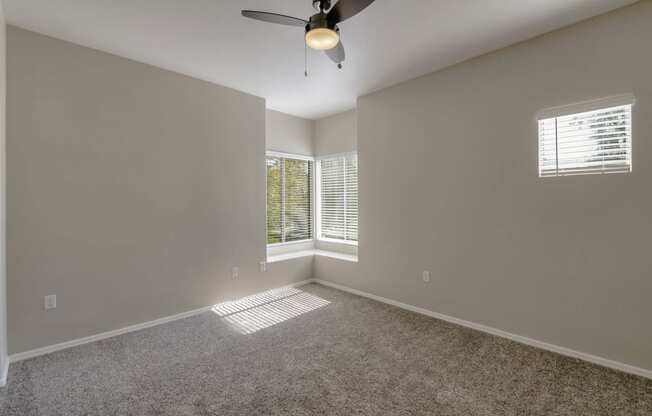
[[289, 199], [338, 198], [594, 141]]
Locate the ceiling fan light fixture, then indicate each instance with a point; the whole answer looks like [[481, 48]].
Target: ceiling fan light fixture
[[322, 38], [321, 30]]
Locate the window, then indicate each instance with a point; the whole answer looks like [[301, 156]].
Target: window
[[289, 199], [595, 140], [338, 198]]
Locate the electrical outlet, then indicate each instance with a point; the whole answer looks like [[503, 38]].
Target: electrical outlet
[[235, 272], [50, 302], [426, 276], [263, 266]]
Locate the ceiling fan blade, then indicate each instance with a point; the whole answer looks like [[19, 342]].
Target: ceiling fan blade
[[280, 19], [336, 54], [345, 9]]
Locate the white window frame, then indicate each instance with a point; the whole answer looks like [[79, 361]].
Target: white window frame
[[317, 204], [271, 153], [583, 107]]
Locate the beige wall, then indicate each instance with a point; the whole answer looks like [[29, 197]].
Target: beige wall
[[132, 191], [336, 134], [3, 274], [288, 134], [449, 183], [326, 136]]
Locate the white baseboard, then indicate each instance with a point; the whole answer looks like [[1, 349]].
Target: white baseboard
[[503, 334], [104, 335], [518, 338], [4, 371]]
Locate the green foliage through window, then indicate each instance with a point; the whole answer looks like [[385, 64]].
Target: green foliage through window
[[289, 200]]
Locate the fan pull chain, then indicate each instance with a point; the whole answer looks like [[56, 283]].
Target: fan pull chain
[[305, 55], [339, 64]]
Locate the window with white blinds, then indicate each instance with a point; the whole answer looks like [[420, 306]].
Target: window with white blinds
[[289, 199], [588, 142], [338, 198]]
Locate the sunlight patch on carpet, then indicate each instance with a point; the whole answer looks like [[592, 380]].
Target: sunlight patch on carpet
[[253, 313]]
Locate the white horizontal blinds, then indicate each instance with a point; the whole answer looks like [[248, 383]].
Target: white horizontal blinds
[[332, 198], [339, 198], [351, 198], [289, 200], [274, 201], [298, 200], [598, 141]]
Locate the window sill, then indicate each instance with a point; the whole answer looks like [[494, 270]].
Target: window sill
[[337, 247], [283, 249], [289, 256], [290, 243], [310, 253], [336, 241], [335, 255]]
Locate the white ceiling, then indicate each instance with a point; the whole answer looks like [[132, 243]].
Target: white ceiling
[[390, 42]]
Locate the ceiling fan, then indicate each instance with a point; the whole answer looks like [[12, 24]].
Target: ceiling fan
[[321, 31]]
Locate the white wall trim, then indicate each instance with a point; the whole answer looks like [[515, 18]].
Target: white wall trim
[[273, 153], [500, 333], [132, 328], [336, 155], [4, 371], [584, 106]]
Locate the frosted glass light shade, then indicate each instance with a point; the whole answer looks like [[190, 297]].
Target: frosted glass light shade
[[322, 38]]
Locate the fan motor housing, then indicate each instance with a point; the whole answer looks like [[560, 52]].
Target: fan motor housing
[[320, 20]]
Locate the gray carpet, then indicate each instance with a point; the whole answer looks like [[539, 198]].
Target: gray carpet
[[316, 351]]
